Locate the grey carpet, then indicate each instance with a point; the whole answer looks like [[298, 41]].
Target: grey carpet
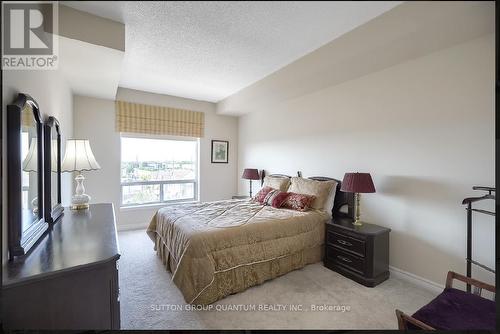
[[149, 300]]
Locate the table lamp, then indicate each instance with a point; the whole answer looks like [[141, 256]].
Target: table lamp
[[250, 174], [77, 158], [357, 183]]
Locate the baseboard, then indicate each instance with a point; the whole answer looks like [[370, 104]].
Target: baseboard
[[129, 227], [417, 280]]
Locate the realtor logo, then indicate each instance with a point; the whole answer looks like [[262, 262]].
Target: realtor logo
[[29, 39]]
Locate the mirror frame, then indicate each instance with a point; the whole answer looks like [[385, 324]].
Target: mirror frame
[[20, 242], [52, 213]]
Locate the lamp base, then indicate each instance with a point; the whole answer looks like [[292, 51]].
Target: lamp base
[[357, 223], [79, 206], [80, 202], [357, 198], [250, 188], [34, 204]]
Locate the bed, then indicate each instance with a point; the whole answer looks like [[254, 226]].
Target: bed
[[214, 249]]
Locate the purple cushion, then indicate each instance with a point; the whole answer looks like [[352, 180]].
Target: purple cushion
[[458, 310]]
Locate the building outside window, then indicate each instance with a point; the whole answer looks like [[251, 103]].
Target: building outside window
[[158, 170]]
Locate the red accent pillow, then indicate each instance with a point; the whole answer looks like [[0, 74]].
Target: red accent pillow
[[261, 195], [279, 199], [299, 202], [275, 198]]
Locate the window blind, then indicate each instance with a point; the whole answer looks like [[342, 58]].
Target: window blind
[[156, 120]]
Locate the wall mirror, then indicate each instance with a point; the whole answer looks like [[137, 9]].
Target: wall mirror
[[24, 175], [52, 167]]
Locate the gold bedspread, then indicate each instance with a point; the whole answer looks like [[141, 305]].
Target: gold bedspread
[[218, 248]]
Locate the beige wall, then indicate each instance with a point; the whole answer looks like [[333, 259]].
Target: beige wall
[[95, 120], [54, 96], [424, 129], [82, 26]]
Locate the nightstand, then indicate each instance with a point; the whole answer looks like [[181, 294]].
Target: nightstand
[[360, 253], [240, 197]]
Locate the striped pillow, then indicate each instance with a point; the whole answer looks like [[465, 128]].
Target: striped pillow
[[275, 198]]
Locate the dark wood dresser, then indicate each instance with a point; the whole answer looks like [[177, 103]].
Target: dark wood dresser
[[70, 279], [360, 253]]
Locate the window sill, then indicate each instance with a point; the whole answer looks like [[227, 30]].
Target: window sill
[[154, 206]]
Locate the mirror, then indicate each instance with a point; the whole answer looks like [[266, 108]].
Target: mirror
[[54, 168], [52, 161], [30, 173], [25, 175]]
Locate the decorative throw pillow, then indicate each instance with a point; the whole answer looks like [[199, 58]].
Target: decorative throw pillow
[[319, 189], [269, 197], [275, 198], [261, 195], [299, 202], [279, 199], [280, 183]]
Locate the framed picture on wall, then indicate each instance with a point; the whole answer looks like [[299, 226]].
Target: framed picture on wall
[[220, 151]]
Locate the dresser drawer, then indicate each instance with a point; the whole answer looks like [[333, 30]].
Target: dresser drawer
[[339, 257], [345, 242]]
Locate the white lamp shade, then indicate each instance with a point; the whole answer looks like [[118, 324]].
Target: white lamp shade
[[30, 162], [78, 156]]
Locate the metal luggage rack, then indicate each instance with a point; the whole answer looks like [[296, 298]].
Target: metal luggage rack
[[470, 210]]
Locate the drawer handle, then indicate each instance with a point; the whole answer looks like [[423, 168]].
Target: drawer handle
[[344, 258], [345, 243]]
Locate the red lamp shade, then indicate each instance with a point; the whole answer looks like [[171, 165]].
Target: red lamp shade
[[250, 174], [357, 183]]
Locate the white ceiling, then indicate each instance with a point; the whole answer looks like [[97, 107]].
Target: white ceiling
[[210, 50]]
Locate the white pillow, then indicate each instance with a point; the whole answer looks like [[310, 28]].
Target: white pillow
[[320, 189], [280, 183], [330, 200]]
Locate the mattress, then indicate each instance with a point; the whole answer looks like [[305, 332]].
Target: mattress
[[214, 249]]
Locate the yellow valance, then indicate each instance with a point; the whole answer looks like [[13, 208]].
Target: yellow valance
[[155, 120]]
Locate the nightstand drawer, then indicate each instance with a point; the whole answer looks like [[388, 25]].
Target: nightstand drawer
[[348, 243], [346, 259], [360, 252]]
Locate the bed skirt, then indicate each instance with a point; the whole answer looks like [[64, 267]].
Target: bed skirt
[[240, 278]]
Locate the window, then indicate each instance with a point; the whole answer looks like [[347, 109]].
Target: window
[[156, 170]]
